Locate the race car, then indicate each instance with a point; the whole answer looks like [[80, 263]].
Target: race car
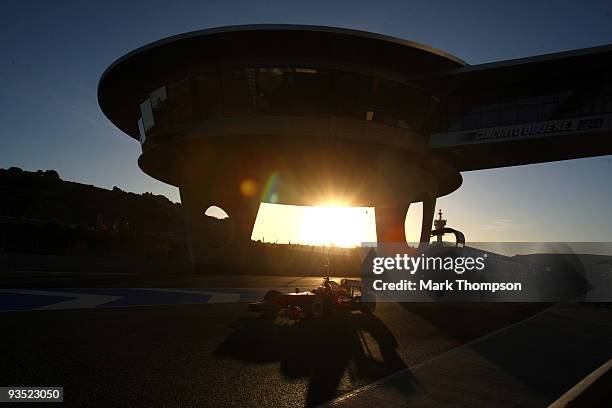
[[325, 299]]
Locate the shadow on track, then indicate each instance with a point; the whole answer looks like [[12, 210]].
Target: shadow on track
[[548, 355], [320, 350], [468, 321]]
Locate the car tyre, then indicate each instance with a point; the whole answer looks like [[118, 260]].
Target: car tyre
[[368, 307], [317, 308]]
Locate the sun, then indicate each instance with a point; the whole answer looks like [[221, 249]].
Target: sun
[[332, 224]]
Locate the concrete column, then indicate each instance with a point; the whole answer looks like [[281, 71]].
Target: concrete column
[[242, 215], [390, 223], [218, 242], [429, 210]]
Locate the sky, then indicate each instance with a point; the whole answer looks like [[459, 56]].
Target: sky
[[54, 52]]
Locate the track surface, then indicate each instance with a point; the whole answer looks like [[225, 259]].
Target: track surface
[[217, 354]]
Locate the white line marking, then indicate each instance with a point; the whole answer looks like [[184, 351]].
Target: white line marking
[[582, 386], [217, 297], [90, 301]]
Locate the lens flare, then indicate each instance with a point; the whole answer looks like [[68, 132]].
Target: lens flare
[[248, 187], [269, 193]]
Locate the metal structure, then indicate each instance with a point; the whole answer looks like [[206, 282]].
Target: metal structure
[[287, 114]]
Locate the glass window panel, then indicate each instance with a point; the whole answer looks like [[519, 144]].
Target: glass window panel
[[311, 93], [548, 96], [413, 106], [591, 87], [146, 112], [490, 119], [179, 95], [384, 94], [531, 100], [158, 96], [385, 101], [546, 111], [209, 97], [525, 96], [591, 106], [570, 108], [350, 94], [471, 121], [239, 93], [472, 102], [274, 87], [507, 116], [298, 91], [141, 131], [455, 124], [526, 114], [160, 105], [565, 95], [491, 100], [454, 105], [507, 98]]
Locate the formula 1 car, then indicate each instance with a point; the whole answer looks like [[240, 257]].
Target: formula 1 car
[[325, 299]]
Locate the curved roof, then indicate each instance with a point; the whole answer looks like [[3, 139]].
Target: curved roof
[[133, 75]]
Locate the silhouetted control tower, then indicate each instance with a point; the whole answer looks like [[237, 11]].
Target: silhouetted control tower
[[439, 224], [290, 114]]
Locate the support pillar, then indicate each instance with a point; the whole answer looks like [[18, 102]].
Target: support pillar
[[224, 242], [391, 223], [429, 210]]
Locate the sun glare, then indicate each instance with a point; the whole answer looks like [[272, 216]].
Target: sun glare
[[333, 224]]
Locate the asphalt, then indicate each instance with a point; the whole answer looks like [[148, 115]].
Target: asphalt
[[203, 353], [530, 364]]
